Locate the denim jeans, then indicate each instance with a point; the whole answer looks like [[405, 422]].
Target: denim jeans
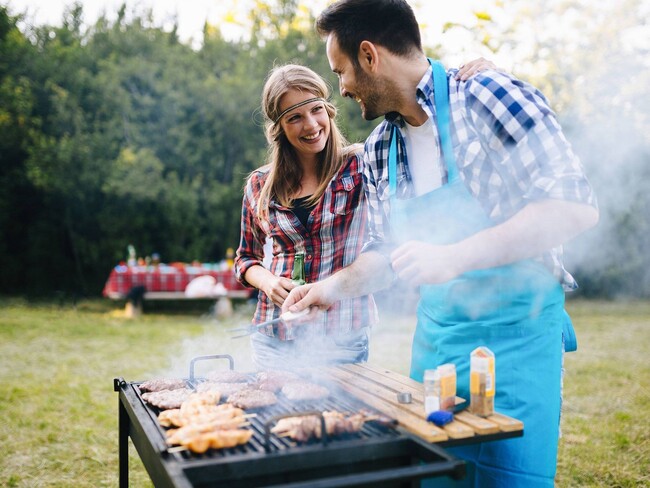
[[309, 350]]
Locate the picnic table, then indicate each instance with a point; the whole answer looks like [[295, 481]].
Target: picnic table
[[170, 282]]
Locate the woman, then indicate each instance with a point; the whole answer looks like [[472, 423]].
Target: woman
[[307, 199]]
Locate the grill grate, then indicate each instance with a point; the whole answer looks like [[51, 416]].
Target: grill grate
[[338, 400], [378, 455]]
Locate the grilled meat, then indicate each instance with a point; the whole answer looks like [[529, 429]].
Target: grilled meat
[[167, 399], [229, 376], [303, 390], [274, 380], [252, 398], [200, 400], [161, 384], [199, 414], [199, 442], [224, 389], [306, 427], [203, 424]]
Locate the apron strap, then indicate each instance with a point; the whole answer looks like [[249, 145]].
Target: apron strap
[[441, 100]]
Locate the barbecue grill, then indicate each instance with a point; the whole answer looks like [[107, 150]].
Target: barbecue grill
[[379, 455]]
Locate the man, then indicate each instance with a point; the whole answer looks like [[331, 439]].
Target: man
[[470, 198]]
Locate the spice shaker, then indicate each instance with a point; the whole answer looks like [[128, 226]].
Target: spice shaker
[[447, 375], [440, 388], [431, 391], [482, 381]]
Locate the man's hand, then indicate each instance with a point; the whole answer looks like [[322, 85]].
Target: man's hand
[[316, 295], [419, 263], [466, 71], [370, 272], [535, 229]]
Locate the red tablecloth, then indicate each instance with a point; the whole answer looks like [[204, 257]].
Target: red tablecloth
[[165, 279]]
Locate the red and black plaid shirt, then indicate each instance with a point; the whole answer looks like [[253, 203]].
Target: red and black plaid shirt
[[331, 240]]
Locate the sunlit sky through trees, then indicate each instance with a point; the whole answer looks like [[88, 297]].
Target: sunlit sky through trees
[[231, 17]]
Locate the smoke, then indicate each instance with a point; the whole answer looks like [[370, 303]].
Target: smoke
[[596, 76], [214, 340], [608, 125]]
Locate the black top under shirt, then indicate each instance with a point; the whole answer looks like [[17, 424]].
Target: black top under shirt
[[301, 210]]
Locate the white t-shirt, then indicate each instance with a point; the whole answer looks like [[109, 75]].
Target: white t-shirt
[[423, 157]]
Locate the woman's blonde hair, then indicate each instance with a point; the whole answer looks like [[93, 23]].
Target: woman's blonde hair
[[285, 174]]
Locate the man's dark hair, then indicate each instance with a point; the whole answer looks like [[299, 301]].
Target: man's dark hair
[[387, 23]]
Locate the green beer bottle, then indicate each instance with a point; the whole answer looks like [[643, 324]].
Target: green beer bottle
[[298, 272]]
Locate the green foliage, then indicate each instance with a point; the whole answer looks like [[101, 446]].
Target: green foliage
[[118, 133]]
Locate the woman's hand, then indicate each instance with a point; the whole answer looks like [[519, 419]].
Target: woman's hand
[[468, 70], [277, 288]]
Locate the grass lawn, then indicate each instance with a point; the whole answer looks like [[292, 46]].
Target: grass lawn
[[59, 410]]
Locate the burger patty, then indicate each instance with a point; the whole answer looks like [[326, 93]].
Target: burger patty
[[248, 398], [167, 399], [161, 384], [224, 389], [229, 376], [274, 380]]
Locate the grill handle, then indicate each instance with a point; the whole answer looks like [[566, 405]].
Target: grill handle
[[274, 420], [214, 356]]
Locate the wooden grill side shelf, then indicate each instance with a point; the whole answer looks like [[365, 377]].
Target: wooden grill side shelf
[[378, 387]]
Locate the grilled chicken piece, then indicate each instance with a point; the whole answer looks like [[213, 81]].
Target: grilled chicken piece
[[178, 436], [203, 424], [219, 439], [200, 441], [201, 414]]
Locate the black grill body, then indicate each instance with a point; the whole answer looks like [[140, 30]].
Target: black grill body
[[376, 456]]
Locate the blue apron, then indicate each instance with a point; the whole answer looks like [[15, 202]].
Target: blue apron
[[517, 311]]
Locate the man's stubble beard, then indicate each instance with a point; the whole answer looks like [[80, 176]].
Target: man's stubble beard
[[376, 95]]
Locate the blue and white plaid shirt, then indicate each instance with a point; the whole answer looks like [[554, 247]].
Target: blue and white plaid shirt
[[509, 149]]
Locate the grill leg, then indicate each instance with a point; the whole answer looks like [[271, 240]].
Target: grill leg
[[123, 419]]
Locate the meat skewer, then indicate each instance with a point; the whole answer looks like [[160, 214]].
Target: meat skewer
[[203, 424], [200, 442], [306, 427], [179, 418]]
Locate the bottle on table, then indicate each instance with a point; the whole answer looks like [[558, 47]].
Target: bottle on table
[[131, 259]]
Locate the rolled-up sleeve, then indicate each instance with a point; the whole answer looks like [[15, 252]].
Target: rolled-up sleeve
[[251, 243], [379, 237]]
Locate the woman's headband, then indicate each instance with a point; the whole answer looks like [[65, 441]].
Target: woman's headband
[[299, 104]]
